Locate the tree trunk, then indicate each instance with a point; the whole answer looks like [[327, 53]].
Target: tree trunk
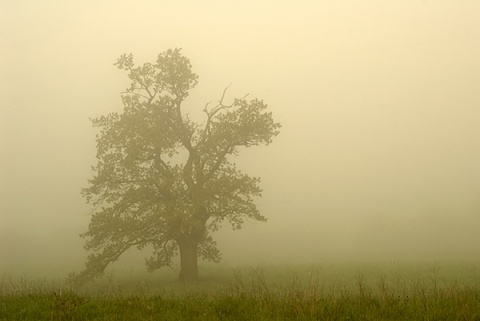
[[188, 260]]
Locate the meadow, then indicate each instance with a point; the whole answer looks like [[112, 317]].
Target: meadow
[[346, 291]]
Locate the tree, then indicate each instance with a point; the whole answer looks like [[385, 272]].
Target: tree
[[165, 181]]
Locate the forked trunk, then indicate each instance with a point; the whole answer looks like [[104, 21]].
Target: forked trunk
[[188, 260]]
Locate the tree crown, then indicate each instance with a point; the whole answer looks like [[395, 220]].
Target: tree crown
[[161, 178]]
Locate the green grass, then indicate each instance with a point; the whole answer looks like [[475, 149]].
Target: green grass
[[316, 292]]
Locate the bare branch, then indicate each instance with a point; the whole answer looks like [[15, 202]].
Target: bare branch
[[134, 93], [212, 112], [223, 94]]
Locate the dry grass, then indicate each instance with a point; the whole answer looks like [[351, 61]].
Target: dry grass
[[336, 292]]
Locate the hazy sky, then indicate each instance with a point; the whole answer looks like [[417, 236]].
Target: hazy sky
[[378, 157]]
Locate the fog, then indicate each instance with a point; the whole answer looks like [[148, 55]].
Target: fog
[[378, 157]]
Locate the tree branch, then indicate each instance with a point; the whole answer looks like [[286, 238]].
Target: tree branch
[[134, 93], [219, 161]]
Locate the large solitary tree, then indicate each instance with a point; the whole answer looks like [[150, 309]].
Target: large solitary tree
[[165, 181]]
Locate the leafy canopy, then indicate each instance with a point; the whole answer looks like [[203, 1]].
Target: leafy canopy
[[161, 177]]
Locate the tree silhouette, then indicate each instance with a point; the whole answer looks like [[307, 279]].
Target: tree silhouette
[[165, 181]]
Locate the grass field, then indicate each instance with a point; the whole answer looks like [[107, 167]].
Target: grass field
[[380, 291]]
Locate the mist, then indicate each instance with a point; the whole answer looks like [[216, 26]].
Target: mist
[[378, 157]]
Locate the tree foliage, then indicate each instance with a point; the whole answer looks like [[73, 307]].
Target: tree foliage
[[163, 180]]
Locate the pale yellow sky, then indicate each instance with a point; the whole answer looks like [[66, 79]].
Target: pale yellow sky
[[379, 102]]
